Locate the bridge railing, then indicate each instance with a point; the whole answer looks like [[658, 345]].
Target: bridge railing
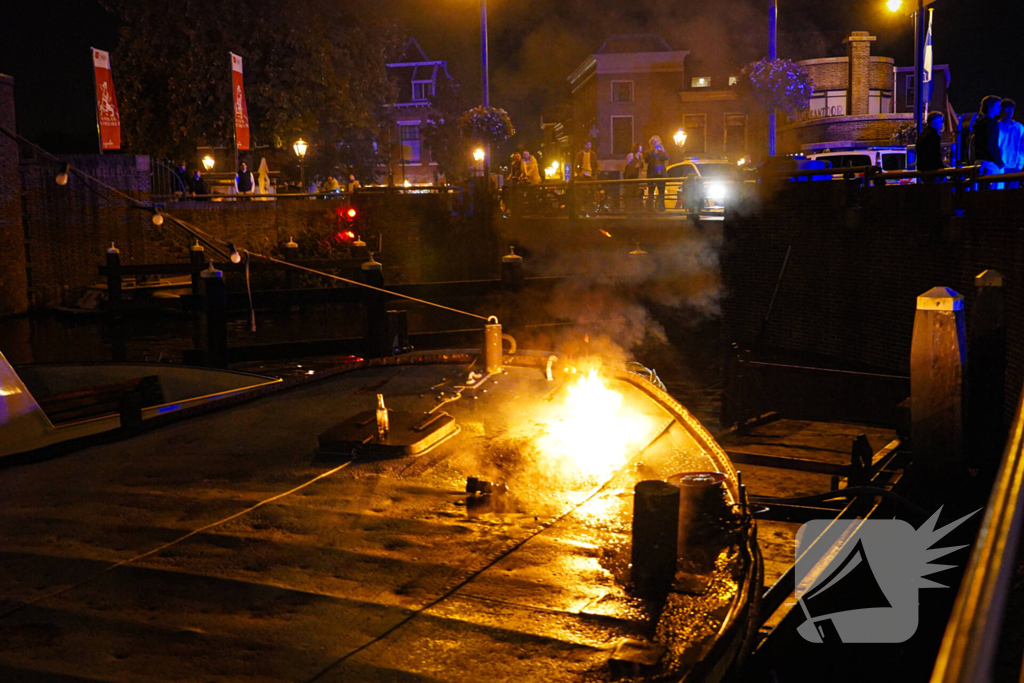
[[452, 191], [595, 198], [970, 644]]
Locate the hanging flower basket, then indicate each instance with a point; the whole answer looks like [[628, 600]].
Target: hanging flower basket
[[486, 124], [779, 84]]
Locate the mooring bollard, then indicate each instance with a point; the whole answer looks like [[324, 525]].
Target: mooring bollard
[[214, 319], [197, 259], [655, 536], [291, 252], [984, 421], [512, 271], [376, 340], [937, 355], [114, 295]]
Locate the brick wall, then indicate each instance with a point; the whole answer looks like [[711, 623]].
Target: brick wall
[[13, 296], [859, 52], [850, 285], [70, 228]]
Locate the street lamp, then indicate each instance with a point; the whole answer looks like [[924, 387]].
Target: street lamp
[[208, 163], [679, 138], [300, 148], [919, 41]]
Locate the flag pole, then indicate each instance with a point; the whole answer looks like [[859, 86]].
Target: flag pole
[[96, 102]]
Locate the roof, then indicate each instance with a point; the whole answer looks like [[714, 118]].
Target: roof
[[413, 66], [633, 42]]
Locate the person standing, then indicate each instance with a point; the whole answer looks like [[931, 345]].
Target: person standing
[[985, 140], [586, 162], [353, 184], [200, 189], [928, 148], [183, 186], [1011, 140], [657, 159], [245, 182], [634, 165], [330, 185], [531, 169]]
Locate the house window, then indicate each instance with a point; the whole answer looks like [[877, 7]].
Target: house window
[[733, 80], [422, 91], [735, 136], [696, 139], [910, 90], [622, 134], [879, 102], [409, 133], [622, 91], [836, 103], [702, 82]]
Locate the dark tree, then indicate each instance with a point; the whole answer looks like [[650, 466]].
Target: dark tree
[[441, 132], [313, 68]]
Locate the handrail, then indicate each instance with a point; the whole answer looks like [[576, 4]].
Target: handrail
[[969, 646]]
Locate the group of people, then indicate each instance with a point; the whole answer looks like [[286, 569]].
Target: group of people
[[191, 186], [332, 185], [655, 161], [997, 140], [523, 168]]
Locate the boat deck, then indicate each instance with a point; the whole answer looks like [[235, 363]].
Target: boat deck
[[221, 548]]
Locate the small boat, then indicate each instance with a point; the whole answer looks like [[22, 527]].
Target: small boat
[[479, 525]]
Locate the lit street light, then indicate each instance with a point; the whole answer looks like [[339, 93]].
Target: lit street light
[[919, 40], [679, 138], [208, 163], [478, 154], [300, 148]]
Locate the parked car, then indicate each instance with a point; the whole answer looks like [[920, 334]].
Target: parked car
[[706, 183], [886, 158]]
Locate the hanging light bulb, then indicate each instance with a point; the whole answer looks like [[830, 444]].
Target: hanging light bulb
[[158, 219], [235, 256], [62, 177]]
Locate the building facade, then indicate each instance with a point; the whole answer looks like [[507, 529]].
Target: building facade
[[637, 86], [416, 78], [859, 100]]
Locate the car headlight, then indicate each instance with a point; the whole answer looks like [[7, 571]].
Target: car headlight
[[715, 191]]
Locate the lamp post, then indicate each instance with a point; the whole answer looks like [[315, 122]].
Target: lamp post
[[300, 148], [680, 139], [919, 40], [773, 45], [479, 155], [208, 163], [487, 100]]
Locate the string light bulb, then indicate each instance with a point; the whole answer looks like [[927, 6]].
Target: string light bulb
[[235, 256], [62, 177], [158, 219]]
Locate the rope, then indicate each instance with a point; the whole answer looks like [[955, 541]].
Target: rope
[[216, 242], [167, 545], [368, 286]]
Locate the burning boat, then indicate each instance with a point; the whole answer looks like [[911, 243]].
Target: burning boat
[[538, 520]]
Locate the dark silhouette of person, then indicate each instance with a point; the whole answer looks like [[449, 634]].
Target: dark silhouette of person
[[928, 147]]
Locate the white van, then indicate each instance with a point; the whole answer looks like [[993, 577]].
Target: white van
[[888, 158]]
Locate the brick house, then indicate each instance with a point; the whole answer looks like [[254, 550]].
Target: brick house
[[859, 100], [636, 86], [415, 77]]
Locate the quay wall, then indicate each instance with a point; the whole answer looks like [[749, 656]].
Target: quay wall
[[13, 288], [856, 264]]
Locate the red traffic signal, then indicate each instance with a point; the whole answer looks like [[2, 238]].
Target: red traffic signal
[[351, 213]]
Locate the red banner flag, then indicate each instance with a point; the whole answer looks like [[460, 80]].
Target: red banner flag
[[108, 121], [238, 96]]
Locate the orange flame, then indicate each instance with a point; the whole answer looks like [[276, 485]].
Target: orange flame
[[590, 435]]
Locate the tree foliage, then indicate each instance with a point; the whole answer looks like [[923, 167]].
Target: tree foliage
[[779, 84], [441, 133], [313, 68], [489, 125]]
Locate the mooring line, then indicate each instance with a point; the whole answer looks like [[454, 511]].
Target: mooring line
[[167, 545], [502, 555]]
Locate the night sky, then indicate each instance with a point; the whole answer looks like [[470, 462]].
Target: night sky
[[535, 44]]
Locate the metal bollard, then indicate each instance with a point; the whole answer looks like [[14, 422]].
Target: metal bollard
[[197, 258], [984, 410], [492, 345], [655, 536], [114, 297], [214, 319], [375, 337]]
